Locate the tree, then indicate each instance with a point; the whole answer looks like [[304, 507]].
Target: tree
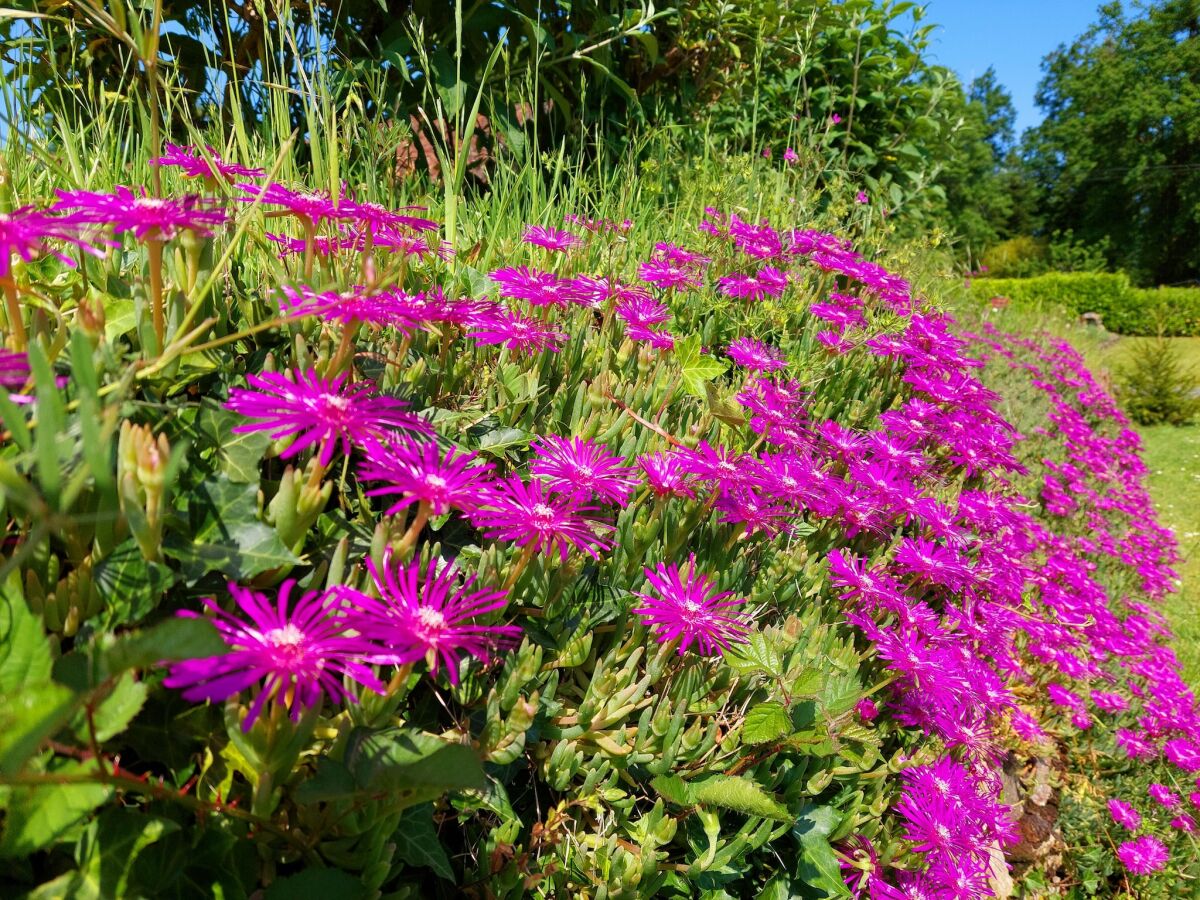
[[1118, 154], [987, 191]]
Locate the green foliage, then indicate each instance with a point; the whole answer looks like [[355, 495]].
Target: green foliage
[[1116, 152], [1024, 256], [1171, 312], [1156, 388]]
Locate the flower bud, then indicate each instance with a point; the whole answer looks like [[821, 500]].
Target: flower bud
[[142, 470]]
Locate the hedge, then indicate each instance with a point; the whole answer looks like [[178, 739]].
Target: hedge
[[1124, 308]]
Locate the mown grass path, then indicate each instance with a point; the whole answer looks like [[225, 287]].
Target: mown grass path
[[1173, 458]]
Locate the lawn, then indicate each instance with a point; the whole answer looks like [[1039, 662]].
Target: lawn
[[1173, 458]]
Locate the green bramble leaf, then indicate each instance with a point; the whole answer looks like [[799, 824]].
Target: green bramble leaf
[[765, 722], [25, 657], [114, 713], [410, 764], [697, 368], [755, 655], [740, 795], [28, 718], [37, 816], [179, 638]]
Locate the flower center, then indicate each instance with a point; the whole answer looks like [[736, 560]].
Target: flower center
[[288, 644], [431, 621], [437, 482], [542, 515]]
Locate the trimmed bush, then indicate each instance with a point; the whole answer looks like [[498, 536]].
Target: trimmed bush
[[1171, 312]]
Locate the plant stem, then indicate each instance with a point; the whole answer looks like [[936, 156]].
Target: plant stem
[[154, 247], [12, 307]]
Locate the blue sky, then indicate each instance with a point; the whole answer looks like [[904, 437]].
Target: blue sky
[[1012, 36]]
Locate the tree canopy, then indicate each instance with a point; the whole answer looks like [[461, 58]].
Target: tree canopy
[[1118, 155]]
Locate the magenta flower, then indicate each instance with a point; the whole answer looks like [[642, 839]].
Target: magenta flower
[[25, 233], [320, 411], [1184, 822], [394, 241], [1124, 814], [867, 709], [195, 165], [790, 157], [351, 307], [1143, 855], [539, 288], [661, 340], [766, 154], [14, 369], [378, 218], [528, 515], [861, 197], [149, 218], [641, 309], [419, 473], [299, 651], [322, 245], [551, 238], [427, 615], [1164, 796], [1183, 753], [665, 274], [310, 207], [755, 355], [835, 119], [581, 468], [666, 475], [688, 608], [516, 332]]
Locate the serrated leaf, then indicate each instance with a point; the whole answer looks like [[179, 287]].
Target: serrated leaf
[[38, 816], [839, 693], [179, 638], [755, 655], [697, 368], [404, 761], [28, 718], [765, 722], [25, 656], [740, 795], [114, 713], [674, 789]]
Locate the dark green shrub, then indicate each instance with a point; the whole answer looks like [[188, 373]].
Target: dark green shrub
[[1157, 388]]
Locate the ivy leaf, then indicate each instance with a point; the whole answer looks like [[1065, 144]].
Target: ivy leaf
[[417, 842], [765, 722], [697, 368], [110, 847], [318, 884], [130, 586], [817, 865]]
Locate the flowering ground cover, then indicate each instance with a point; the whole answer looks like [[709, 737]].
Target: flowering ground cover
[[618, 548]]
